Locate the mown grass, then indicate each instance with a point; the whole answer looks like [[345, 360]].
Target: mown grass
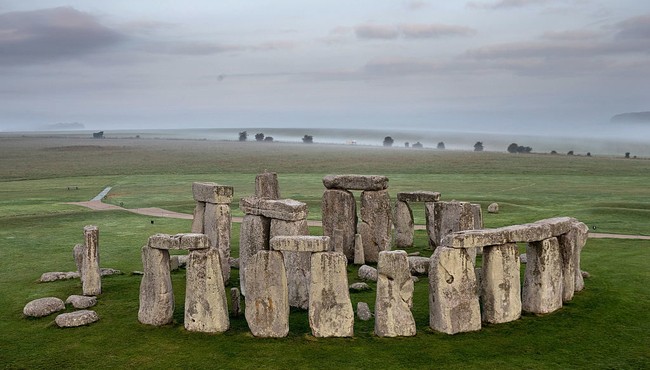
[[605, 326]]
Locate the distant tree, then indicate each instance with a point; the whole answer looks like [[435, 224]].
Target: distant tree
[[588, 154], [308, 139], [259, 136], [478, 147], [243, 136], [513, 148], [553, 152], [417, 145], [524, 149], [388, 141], [570, 152], [406, 144], [269, 139], [441, 145], [627, 155], [98, 135]]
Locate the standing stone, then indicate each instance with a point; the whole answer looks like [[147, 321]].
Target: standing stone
[[235, 298], [339, 220], [75, 319], [217, 228], [198, 218], [567, 243], [91, 279], [429, 210], [376, 224], [78, 255], [393, 315], [363, 311], [330, 308], [500, 284], [449, 217], [477, 213], [253, 237], [156, 293], [453, 299], [582, 233], [297, 264], [542, 291], [266, 185], [267, 304], [206, 306], [359, 258], [403, 218]]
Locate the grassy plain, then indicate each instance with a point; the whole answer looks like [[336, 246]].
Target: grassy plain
[[605, 326]]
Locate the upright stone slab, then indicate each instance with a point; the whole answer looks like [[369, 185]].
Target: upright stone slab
[[156, 293], [394, 299], [453, 297], [356, 182], [403, 219], [266, 185], [376, 225], [253, 237], [206, 305], [501, 284], [582, 233], [217, 226], [447, 218], [91, 280], [330, 308], [359, 257], [542, 290], [567, 243], [267, 304], [78, 255], [198, 218], [297, 264], [340, 219]]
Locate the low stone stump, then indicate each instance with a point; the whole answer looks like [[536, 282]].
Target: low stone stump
[[253, 237], [267, 186], [43, 307], [297, 264], [206, 306], [393, 315], [356, 182], [453, 298], [330, 308], [339, 215], [267, 300], [542, 290], [281, 209], [91, 279], [501, 284], [375, 226], [156, 292], [75, 319], [81, 301], [403, 219]]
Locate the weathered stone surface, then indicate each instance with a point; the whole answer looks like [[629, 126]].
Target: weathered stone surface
[[339, 215], [447, 218], [173, 263], [356, 182], [43, 307], [81, 301], [376, 224], [47, 277], [582, 233], [182, 260], [367, 273], [235, 298], [477, 213], [359, 287], [393, 315], [403, 219], [419, 265], [253, 237], [217, 225], [266, 185], [186, 241], [418, 196], [297, 264], [453, 299], [363, 311], [330, 308], [210, 192], [91, 279], [156, 293], [493, 208], [77, 318], [267, 302], [523, 258], [281, 209], [359, 257], [542, 290], [500, 283], [206, 306], [567, 245], [198, 218], [585, 274], [234, 263], [78, 255], [300, 243]]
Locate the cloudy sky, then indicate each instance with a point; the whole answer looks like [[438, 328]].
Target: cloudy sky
[[487, 65]]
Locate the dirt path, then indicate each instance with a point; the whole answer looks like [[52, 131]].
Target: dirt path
[[159, 212]]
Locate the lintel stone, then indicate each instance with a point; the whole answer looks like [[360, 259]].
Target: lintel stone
[[300, 243], [418, 196], [281, 209], [187, 241], [210, 192], [356, 182]]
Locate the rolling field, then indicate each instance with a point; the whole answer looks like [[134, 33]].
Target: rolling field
[[605, 326]]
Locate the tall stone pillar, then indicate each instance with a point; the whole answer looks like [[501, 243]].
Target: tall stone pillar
[[403, 218], [91, 279], [501, 283], [156, 293], [206, 305], [375, 225], [394, 299], [253, 237], [330, 308], [542, 290], [340, 220], [266, 185]]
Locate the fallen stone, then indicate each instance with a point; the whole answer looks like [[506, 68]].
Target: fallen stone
[[188, 241], [542, 290], [367, 273], [210, 192], [359, 287], [139, 273], [363, 311], [217, 225], [339, 215], [107, 271], [91, 279], [330, 309], [500, 283], [253, 237], [156, 293], [419, 265], [493, 208], [281, 209], [376, 224], [266, 185], [81, 301], [75, 319], [206, 305], [359, 257], [414, 254], [43, 307], [47, 277], [394, 299], [300, 243], [355, 182], [418, 196], [403, 220]]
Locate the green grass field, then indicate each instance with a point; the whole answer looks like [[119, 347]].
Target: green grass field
[[605, 326]]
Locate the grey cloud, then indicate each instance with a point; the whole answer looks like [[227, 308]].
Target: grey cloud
[[416, 5], [42, 35], [506, 4], [572, 35], [374, 31], [196, 48], [411, 31], [634, 28]]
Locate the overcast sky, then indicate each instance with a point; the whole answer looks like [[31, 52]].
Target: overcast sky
[[489, 65]]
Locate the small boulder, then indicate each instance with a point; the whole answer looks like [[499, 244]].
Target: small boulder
[[359, 287], [109, 271], [522, 258], [77, 318], [182, 260], [43, 307], [585, 274], [81, 301], [363, 311], [493, 208], [368, 273], [419, 265]]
